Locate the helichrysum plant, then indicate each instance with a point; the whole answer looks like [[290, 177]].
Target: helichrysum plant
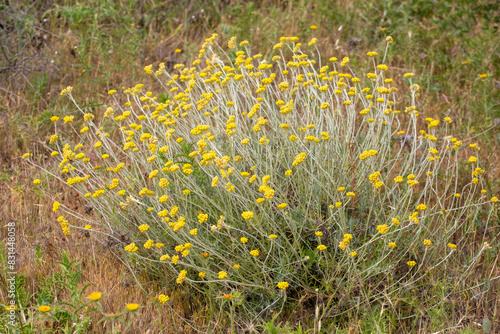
[[273, 177]]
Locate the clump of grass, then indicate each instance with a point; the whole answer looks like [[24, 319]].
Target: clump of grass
[[272, 179]]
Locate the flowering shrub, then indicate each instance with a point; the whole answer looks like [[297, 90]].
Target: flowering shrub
[[274, 177]]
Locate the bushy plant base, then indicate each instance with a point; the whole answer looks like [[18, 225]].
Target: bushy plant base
[[260, 182]]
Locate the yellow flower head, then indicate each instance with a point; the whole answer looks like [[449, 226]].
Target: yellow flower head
[[95, 296], [282, 285], [247, 215], [132, 307], [56, 206], [383, 228], [44, 308], [163, 298], [254, 252]]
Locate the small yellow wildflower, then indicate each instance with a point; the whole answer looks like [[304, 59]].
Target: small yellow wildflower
[[247, 215], [383, 228], [181, 277], [132, 307], [163, 299], [95, 296], [421, 207], [56, 206], [44, 308], [398, 179], [131, 248], [321, 247], [282, 285]]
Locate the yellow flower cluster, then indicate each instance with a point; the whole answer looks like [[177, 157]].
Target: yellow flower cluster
[[282, 285], [131, 248], [383, 229], [163, 298], [247, 215], [321, 247], [299, 158], [181, 277], [64, 224], [376, 183], [345, 242], [367, 154]]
